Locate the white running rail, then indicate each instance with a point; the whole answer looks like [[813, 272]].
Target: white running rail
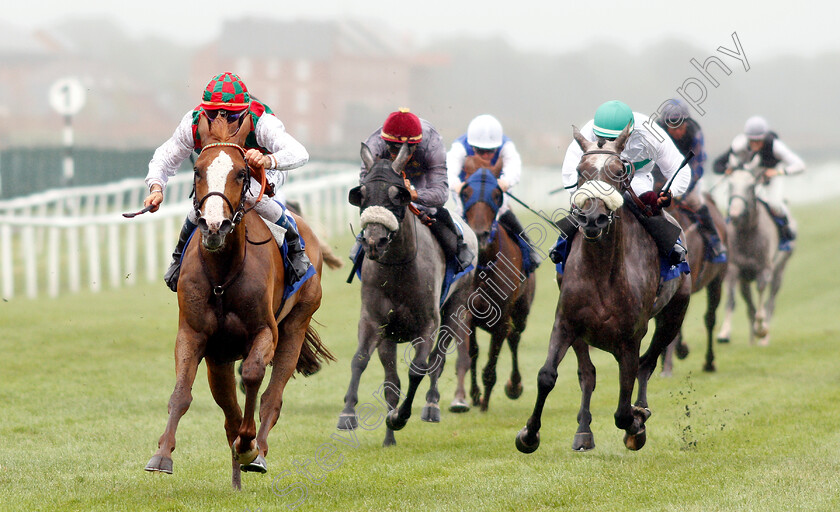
[[61, 240]]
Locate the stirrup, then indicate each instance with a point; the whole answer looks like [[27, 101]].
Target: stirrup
[[677, 255], [463, 257]]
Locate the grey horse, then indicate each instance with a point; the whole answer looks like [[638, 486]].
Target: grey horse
[[402, 277], [754, 256]]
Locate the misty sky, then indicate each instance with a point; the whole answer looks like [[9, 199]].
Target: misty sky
[[766, 29]]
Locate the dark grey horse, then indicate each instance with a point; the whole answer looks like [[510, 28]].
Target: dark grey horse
[[402, 276], [754, 256], [609, 291]]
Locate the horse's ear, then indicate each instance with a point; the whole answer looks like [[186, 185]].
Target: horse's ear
[[367, 156], [244, 129], [203, 129], [580, 139], [402, 158], [399, 195], [355, 196], [622, 139]]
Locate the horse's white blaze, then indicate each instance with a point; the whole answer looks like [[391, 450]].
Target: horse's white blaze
[[217, 173], [597, 189], [379, 215]]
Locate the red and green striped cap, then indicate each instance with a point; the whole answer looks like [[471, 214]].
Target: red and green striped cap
[[226, 91]]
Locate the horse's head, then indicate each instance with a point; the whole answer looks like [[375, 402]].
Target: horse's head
[[482, 198], [382, 198], [742, 184], [602, 178], [221, 179]]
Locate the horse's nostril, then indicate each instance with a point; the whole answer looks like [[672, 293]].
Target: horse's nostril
[[603, 220], [202, 224], [226, 226]]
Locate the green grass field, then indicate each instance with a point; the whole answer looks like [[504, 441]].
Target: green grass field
[[85, 379]]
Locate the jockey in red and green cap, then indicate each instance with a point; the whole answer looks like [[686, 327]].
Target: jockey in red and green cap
[[267, 144]]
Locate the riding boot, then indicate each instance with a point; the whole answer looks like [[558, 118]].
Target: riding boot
[[665, 235], [786, 233], [568, 229], [709, 231], [298, 260], [509, 221], [451, 239], [174, 270]]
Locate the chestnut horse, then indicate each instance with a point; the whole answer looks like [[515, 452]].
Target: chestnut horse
[[231, 306], [502, 291], [609, 291], [705, 275]]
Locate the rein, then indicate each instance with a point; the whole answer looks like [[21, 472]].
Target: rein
[[240, 211], [424, 218], [219, 290]]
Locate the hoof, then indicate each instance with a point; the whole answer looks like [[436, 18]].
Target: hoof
[[257, 465], [513, 391], [394, 422], [522, 446], [682, 351], [160, 464], [431, 413], [247, 457], [709, 367], [723, 340], [584, 441], [635, 442], [458, 405], [347, 422]]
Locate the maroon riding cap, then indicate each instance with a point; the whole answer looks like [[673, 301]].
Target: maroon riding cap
[[402, 126]]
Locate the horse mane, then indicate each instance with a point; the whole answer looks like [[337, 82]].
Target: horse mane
[[219, 130]]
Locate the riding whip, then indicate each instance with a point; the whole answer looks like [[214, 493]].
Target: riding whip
[[688, 157], [131, 215], [530, 209]]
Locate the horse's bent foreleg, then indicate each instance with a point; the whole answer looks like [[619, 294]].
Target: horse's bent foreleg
[[368, 341], [417, 369], [189, 349], [253, 372], [584, 440], [528, 439]]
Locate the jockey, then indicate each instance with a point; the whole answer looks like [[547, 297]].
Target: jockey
[[646, 147], [688, 136], [268, 145], [485, 141], [425, 175], [775, 156]]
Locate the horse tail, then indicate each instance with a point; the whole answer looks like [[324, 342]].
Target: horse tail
[[329, 256], [312, 353]]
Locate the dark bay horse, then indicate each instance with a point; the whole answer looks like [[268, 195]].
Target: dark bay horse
[[754, 255], [502, 291], [609, 291], [231, 306], [705, 275], [402, 276]]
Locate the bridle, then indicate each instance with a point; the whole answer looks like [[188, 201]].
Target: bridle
[[240, 211]]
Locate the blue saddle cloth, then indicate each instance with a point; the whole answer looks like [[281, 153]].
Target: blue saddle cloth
[[560, 252], [291, 289]]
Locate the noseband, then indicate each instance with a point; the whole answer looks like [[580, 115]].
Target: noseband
[[238, 212]]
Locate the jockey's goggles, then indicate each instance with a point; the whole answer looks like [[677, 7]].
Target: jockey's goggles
[[482, 151], [231, 116]]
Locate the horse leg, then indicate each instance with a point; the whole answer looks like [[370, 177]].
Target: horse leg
[[391, 386], [189, 349], [284, 362], [488, 375], [222, 381], [668, 356], [746, 293], [584, 441], [628, 372], [475, 391], [726, 326], [775, 285], [368, 341], [713, 294], [460, 327], [417, 369], [436, 363], [244, 447], [528, 439], [513, 387]]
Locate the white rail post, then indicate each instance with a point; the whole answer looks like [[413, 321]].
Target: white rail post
[[6, 261], [53, 266]]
